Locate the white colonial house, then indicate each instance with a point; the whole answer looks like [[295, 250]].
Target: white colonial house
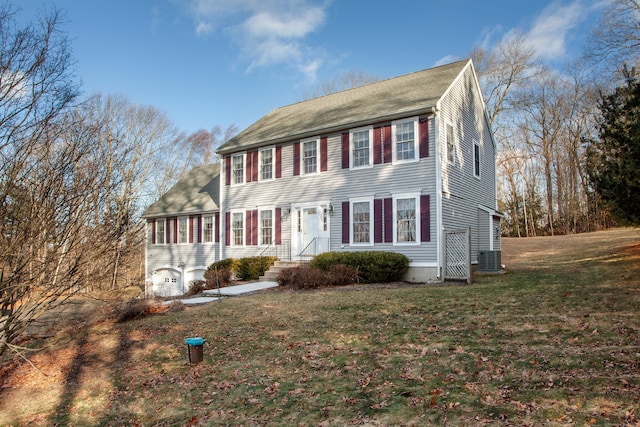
[[405, 165]]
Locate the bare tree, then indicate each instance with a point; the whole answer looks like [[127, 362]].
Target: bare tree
[[616, 39]]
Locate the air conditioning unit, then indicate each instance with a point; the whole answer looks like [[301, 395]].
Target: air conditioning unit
[[489, 261]]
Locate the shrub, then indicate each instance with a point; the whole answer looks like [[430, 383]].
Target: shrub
[[305, 277], [139, 308], [222, 277], [251, 268], [372, 266], [196, 287]]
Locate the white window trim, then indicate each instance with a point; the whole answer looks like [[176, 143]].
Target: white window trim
[[213, 229], [415, 196], [371, 220], [244, 169], [273, 224], [351, 147], [186, 230], [453, 142], [273, 164], [302, 142], [164, 231], [394, 141], [476, 143], [232, 240]]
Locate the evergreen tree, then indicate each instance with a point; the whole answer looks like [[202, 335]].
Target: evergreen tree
[[613, 160]]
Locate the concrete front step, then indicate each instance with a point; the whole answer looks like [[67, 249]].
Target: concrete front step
[[272, 274]]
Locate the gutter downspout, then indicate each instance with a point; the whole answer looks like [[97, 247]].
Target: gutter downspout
[[439, 226]]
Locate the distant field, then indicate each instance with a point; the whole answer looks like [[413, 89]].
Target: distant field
[[554, 341]]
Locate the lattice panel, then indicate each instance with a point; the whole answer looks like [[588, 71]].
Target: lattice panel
[[457, 255]]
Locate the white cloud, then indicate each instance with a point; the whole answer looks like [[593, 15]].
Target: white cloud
[[551, 29], [268, 32], [446, 60]]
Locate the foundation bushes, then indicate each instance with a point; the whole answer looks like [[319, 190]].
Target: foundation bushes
[[306, 277], [251, 268], [230, 269], [372, 266]]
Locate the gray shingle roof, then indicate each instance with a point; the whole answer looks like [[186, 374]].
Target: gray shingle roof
[[197, 192], [397, 97]]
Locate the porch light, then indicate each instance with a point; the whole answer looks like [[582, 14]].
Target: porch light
[[330, 209]]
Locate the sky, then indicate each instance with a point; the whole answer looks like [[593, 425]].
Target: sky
[[222, 62]]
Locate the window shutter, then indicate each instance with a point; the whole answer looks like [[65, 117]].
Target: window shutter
[[387, 143], [296, 159], [227, 170], [167, 231], [279, 161], [175, 230], [377, 221], [254, 228], [345, 151], [388, 220], [247, 226], [323, 154], [256, 166], [345, 222], [423, 130], [425, 219], [217, 230], [249, 167], [190, 236], [153, 231], [199, 238], [377, 145], [278, 226], [227, 228]]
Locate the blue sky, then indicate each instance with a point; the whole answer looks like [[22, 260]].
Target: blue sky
[[222, 62]]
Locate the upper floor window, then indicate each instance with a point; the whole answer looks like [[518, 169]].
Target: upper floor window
[[160, 233], [450, 143], [207, 229], [405, 214], [237, 168], [476, 159], [405, 142], [361, 147], [310, 156], [361, 223], [266, 164], [182, 230]]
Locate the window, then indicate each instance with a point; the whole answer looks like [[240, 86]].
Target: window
[[361, 222], [237, 169], [406, 224], [237, 229], [404, 138], [310, 156], [160, 231], [266, 227], [476, 159], [361, 147], [207, 229], [182, 230], [450, 144], [266, 164]]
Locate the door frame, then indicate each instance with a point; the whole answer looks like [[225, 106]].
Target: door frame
[[297, 224]]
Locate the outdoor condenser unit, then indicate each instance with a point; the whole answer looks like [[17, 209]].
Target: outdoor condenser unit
[[489, 261]]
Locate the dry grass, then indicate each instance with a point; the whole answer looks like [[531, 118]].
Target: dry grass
[[554, 341]]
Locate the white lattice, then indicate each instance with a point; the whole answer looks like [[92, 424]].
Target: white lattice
[[457, 255]]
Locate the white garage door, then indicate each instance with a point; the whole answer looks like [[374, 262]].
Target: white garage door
[[167, 283]]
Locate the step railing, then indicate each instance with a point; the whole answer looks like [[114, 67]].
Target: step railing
[[317, 246], [282, 251]]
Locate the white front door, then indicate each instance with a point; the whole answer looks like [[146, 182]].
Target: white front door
[[310, 230]]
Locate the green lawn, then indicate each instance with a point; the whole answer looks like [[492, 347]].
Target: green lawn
[[555, 341]]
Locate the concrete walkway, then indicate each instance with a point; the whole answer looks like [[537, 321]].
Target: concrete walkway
[[211, 295]]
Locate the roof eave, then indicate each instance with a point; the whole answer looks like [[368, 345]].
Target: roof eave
[[329, 130]]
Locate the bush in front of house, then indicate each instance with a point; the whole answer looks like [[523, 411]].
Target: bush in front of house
[[372, 266], [251, 268], [196, 287], [221, 273], [306, 277]]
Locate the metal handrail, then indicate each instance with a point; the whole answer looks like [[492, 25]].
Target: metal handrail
[[282, 250], [306, 254]]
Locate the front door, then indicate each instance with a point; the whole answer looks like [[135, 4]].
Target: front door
[[310, 230]]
